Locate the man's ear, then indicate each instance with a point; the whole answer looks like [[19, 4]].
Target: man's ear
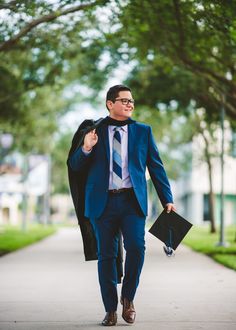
[[109, 104]]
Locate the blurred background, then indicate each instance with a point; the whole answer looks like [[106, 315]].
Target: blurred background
[[57, 60]]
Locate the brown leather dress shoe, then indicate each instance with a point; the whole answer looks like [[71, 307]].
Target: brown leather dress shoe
[[110, 319], [128, 313]]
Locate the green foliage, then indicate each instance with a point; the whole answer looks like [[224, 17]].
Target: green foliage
[[43, 49], [184, 53], [163, 82], [227, 260], [59, 168], [199, 239], [13, 238], [189, 39], [11, 90], [172, 133]]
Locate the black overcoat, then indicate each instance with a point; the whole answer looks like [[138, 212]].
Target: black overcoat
[[77, 181]]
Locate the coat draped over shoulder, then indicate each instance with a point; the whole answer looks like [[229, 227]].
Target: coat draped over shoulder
[[77, 182]]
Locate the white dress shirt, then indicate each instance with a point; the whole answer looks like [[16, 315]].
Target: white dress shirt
[[126, 182]]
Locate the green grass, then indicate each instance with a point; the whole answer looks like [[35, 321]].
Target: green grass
[[13, 238], [201, 240]]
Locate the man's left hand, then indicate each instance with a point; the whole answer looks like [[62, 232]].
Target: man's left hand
[[170, 207]]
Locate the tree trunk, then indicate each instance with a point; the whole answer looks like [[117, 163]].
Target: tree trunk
[[211, 198], [211, 203]]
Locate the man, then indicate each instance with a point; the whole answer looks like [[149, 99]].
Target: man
[[116, 156]]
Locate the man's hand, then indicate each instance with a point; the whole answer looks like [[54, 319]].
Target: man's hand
[[90, 140], [170, 207]]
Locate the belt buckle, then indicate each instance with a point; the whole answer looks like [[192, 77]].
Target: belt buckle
[[117, 191]]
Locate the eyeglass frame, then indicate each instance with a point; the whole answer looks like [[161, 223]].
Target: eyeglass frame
[[128, 101]]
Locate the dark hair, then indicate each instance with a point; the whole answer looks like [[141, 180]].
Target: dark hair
[[113, 92]]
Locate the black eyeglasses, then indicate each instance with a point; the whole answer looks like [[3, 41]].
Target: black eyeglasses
[[125, 101]]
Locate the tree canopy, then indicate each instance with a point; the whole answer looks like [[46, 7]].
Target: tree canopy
[[198, 37], [181, 51], [43, 50]]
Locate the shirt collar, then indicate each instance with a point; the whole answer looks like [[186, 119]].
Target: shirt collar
[[124, 128]]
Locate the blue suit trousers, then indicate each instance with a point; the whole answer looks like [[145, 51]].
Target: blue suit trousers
[[122, 212]]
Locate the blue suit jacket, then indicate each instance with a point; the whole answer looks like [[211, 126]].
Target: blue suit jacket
[[142, 153]]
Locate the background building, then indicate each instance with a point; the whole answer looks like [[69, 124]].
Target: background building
[[192, 189]]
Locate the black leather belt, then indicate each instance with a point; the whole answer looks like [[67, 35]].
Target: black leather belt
[[118, 191]]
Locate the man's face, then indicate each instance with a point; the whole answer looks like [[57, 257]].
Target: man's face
[[118, 110]]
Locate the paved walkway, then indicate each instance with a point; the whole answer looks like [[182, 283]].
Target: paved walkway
[[49, 286]]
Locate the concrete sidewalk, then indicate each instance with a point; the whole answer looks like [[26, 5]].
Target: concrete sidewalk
[[49, 286]]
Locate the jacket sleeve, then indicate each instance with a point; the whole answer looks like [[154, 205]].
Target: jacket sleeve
[[78, 160], [157, 172]]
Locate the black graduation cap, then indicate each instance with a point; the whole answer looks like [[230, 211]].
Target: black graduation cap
[[170, 228]]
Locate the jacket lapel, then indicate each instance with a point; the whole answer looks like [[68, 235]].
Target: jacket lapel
[[131, 142], [105, 140]]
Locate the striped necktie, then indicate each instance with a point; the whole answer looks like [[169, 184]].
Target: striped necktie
[[116, 160]]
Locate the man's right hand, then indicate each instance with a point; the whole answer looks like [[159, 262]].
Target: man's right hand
[[90, 140]]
